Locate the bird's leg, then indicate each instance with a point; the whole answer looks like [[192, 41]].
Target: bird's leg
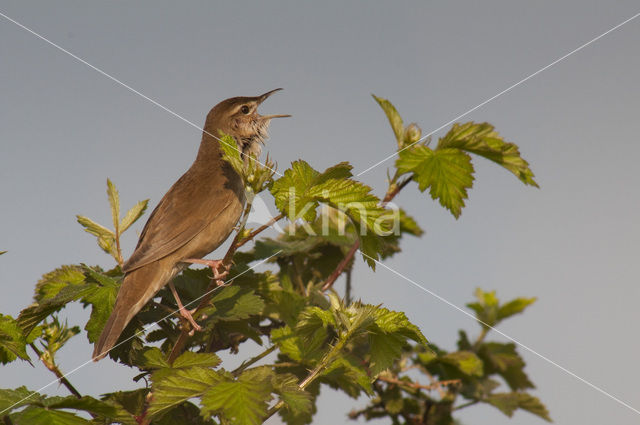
[[214, 265], [183, 311]]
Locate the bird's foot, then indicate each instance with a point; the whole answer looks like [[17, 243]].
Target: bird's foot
[[187, 315], [183, 311], [215, 266]]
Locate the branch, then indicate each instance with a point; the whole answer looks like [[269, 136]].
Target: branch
[[392, 191], [417, 385], [253, 360], [226, 262], [56, 371]]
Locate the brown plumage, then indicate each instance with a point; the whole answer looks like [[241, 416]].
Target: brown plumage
[[194, 217]]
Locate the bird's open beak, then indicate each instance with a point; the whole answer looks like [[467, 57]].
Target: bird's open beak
[[264, 97]]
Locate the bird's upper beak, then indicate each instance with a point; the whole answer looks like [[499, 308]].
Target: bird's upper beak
[[264, 97]]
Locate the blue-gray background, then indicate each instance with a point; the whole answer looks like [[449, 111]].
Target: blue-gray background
[[64, 129]]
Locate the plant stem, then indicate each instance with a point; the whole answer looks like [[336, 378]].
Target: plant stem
[[226, 261], [392, 191], [260, 229], [462, 406], [326, 361], [56, 371], [253, 360]]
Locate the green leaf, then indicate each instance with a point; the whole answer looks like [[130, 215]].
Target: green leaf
[[397, 322], [51, 283], [14, 399], [234, 303], [13, 343], [3, 252], [86, 403], [507, 403], [481, 139], [296, 400], [465, 361], [514, 307], [102, 297], [447, 172], [106, 238], [34, 415], [393, 116], [175, 386], [305, 350], [347, 374], [231, 153], [384, 350], [290, 192], [133, 215], [504, 360], [191, 359], [31, 316], [114, 202], [243, 402]]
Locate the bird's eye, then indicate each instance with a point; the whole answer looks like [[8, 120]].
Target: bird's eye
[[245, 109]]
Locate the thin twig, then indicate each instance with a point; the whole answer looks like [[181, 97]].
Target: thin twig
[[226, 262], [260, 229], [253, 360], [417, 385], [392, 191], [54, 368]]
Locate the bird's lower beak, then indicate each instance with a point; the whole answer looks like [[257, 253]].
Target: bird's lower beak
[[268, 117]]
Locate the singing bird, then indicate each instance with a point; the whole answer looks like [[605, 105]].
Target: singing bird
[[193, 218]]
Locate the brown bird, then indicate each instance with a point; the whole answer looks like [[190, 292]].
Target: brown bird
[[195, 216]]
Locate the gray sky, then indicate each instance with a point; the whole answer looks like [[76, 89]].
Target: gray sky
[[65, 128]]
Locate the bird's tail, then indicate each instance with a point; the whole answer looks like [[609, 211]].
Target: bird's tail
[[138, 287]]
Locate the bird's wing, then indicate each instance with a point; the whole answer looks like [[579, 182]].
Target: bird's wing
[[187, 208]]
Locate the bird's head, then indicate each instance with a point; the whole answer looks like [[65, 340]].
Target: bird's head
[[238, 117]]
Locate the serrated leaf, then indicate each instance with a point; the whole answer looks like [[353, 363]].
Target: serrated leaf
[[38, 311], [514, 307], [448, 173], [507, 403], [504, 360], [153, 358], [133, 215], [234, 303], [393, 116], [86, 403], [16, 398], [51, 283], [243, 402], [384, 350], [296, 400], [175, 386], [465, 361], [13, 343], [397, 322], [231, 153], [481, 139], [304, 350], [106, 238], [34, 415], [114, 202], [102, 297], [191, 359], [346, 374]]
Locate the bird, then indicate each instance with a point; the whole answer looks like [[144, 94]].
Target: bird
[[194, 217]]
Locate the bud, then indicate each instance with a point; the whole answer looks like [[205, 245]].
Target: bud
[[412, 134]]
